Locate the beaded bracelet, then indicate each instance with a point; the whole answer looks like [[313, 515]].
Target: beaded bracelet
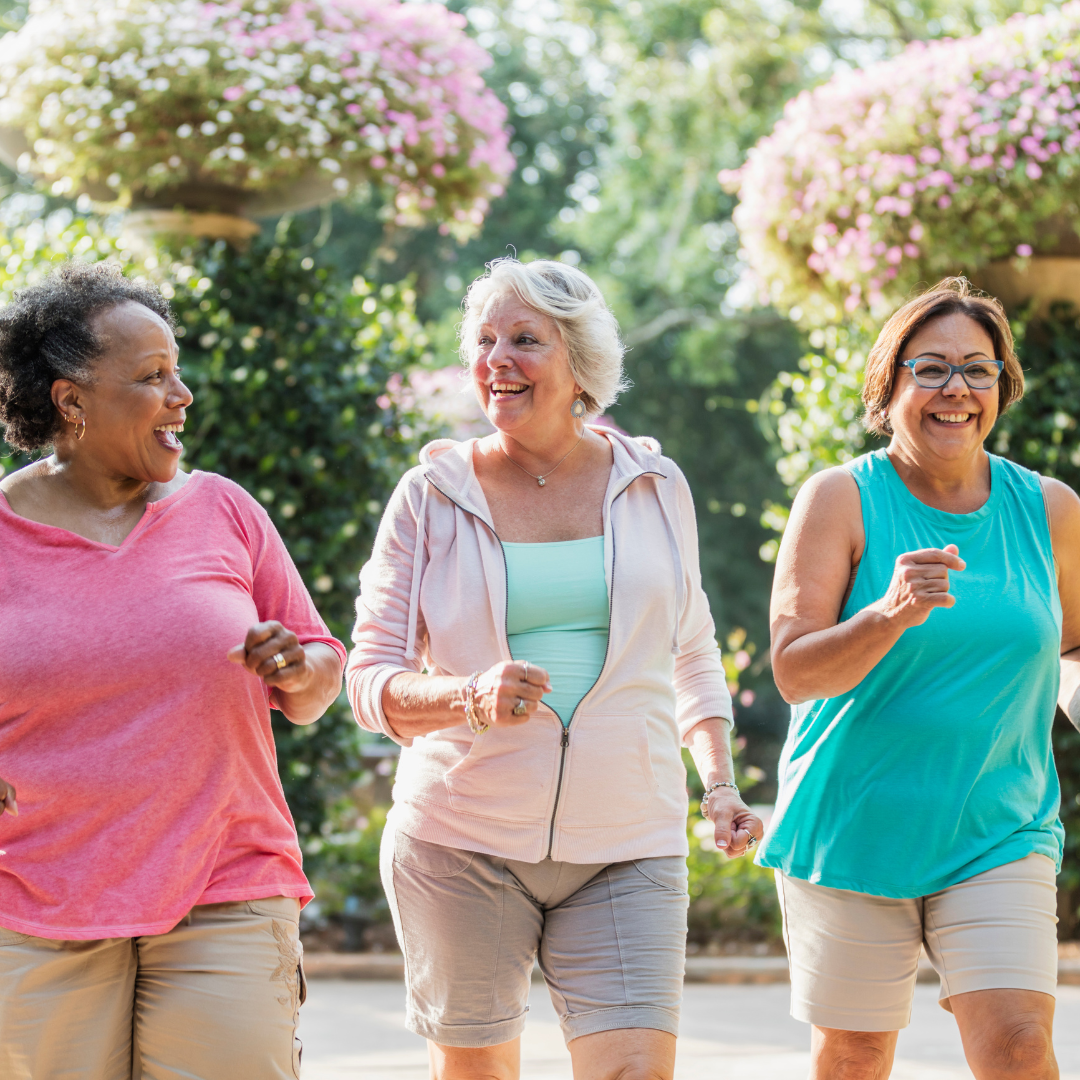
[[709, 790], [472, 713]]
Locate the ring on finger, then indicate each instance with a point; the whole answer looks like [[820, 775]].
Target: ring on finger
[[525, 671], [519, 708], [280, 661], [751, 842]]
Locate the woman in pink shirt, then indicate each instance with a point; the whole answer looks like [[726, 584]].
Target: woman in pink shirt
[[151, 880]]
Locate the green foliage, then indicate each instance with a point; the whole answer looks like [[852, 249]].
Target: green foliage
[[346, 875], [730, 899], [289, 369]]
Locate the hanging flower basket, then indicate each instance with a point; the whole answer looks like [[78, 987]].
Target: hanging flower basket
[[254, 106], [952, 156]]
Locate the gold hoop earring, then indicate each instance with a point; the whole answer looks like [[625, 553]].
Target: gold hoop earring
[[80, 426]]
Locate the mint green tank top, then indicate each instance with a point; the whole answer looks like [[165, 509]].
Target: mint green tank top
[[557, 615], [938, 765]]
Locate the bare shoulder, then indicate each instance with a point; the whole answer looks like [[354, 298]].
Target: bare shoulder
[[25, 482], [832, 494], [1060, 498], [826, 516], [1063, 510]]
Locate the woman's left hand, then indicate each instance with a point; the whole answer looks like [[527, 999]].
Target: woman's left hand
[[276, 656], [734, 823]]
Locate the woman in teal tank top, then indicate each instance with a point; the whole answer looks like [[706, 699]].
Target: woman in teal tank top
[[926, 605]]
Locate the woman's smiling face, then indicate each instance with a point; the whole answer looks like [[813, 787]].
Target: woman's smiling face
[[520, 367], [950, 421], [135, 407]]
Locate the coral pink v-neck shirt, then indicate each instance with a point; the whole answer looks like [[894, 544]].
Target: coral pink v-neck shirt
[[143, 759]]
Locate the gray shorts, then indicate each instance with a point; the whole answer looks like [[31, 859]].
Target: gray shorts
[[611, 939]]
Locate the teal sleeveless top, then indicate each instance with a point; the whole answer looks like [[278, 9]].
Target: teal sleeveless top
[[938, 765], [557, 615]]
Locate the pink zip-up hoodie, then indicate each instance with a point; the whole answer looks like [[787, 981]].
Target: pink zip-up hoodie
[[611, 786]]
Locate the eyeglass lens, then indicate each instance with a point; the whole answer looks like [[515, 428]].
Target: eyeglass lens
[[979, 375]]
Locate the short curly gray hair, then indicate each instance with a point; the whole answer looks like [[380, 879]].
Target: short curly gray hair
[[571, 298]]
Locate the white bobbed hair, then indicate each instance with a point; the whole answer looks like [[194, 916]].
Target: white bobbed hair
[[571, 298]]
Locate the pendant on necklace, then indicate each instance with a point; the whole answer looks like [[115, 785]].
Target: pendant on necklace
[[540, 481]]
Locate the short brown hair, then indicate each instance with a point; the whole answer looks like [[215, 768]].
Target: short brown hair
[[952, 296]]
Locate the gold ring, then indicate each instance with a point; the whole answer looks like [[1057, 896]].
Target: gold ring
[[519, 708], [280, 661]]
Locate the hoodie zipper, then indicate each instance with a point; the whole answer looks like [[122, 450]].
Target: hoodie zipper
[[564, 740]]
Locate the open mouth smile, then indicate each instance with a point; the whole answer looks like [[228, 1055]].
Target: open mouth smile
[[953, 419], [166, 435], [507, 389]]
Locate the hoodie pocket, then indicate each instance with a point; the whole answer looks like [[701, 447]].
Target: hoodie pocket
[[609, 778], [509, 773]]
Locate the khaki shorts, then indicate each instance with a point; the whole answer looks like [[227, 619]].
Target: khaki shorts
[[217, 998], [611, 941], [854, 956]]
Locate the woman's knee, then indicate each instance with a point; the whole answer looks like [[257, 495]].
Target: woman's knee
[[1021, 1049], [852, 1055], [500, 1062]]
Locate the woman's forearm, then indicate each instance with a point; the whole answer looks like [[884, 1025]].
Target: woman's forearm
[[307, 705], [415, 704], [829, 662], [709, 744]]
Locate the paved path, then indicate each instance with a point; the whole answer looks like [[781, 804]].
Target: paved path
[[354, 1030]]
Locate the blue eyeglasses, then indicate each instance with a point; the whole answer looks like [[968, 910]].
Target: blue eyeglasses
[[932, 373]]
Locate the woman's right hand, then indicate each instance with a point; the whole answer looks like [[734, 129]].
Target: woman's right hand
[[920, 583], [7, 798], [500, 688]]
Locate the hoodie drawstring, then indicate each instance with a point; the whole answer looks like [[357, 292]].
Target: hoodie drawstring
[[418, 561]]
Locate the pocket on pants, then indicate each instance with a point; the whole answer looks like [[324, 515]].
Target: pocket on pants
[[11, 937], [432, 860], [276, 907], [667, 871]]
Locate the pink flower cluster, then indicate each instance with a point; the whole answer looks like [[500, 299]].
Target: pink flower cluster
[[936, 162], [151, 94]]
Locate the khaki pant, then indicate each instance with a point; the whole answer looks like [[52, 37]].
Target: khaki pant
[[854, 957], [216, 998]]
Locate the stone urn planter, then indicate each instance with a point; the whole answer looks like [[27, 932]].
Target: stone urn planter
[[1041, 279]]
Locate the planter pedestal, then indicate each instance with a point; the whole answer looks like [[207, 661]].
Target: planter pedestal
[[141, 225], [1042, 278]]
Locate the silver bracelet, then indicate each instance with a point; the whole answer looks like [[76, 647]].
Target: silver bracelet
[[472, 713], [709, 790]]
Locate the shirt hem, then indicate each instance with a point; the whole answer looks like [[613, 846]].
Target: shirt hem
[[990, 860], [100, 933]]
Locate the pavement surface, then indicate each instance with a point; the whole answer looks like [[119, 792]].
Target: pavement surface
[[353, 1029]]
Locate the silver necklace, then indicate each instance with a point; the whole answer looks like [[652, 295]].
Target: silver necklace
[[542, 480]]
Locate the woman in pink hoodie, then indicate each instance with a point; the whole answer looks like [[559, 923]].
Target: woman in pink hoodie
[[532, 630]]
